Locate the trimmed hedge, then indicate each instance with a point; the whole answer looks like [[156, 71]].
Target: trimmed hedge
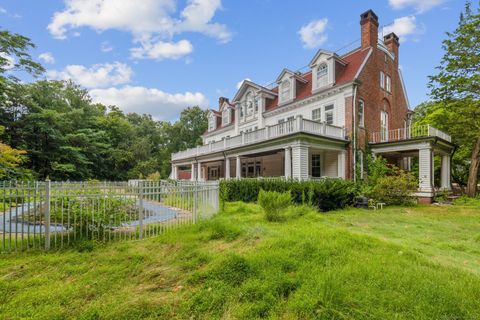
[[327, 195]]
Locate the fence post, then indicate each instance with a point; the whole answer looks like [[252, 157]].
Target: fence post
[[195, 202], [140, 209], [47, 214]]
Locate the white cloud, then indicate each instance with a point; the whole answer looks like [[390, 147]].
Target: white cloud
[[161, 105], [3, 10], [151, 19], [419, 5], [47, 57], [106, 47], [7, 62], [403, 27], [98, 75], [313, 34], [239, 84], [162, 50]]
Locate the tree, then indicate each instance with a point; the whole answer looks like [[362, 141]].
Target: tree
[[457, 87], [10, 159]]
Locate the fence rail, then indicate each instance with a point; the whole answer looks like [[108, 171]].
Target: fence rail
[[408, 133], [56, 214]]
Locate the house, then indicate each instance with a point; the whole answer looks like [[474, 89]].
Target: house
[[321, 122]]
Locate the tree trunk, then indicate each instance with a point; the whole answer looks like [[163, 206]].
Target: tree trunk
[[473, 172]]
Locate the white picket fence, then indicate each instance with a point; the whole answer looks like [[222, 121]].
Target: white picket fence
[[47, 215]]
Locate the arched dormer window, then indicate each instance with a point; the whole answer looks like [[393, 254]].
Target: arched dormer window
[[212, 122], [322, 75], [286, 90], [225, 116], [249, 103]]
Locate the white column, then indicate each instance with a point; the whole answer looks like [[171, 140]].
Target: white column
[[288, 163], [446, 173], [300, 163], [239, 168], [341, 158], [174, 174], [425, 170], [227, 168], [199, 171], [192, 176]]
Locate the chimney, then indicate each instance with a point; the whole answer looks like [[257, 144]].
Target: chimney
[[392, 44], [221, 100], [369, 23]]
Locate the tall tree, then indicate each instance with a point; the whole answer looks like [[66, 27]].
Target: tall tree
[[457, 86]]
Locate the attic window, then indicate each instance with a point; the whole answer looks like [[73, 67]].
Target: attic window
[[225, 116], [285, 90], [212, 122], [322, 75], [249, 103]]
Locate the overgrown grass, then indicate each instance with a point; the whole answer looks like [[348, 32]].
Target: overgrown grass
[[399, 263]]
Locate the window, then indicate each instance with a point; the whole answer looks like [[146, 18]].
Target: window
[[322, 75], [225, 116], [317, 114], [241, 110], [286, 90], [383, 126], [316, 166], [212, 123], [361, 113], [249, 103], [382, 80], [329, 114], [389, 84]]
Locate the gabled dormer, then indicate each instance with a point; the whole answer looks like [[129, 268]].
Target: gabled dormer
[[250, 100], [325, 66], [287, 86], [226, 111], [212, 117]]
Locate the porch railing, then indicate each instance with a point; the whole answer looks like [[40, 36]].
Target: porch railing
[[408, 133], [296, 125]]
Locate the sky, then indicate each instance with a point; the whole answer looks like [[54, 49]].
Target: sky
[[160, 56]]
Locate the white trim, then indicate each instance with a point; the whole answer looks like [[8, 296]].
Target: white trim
[[403, 88]]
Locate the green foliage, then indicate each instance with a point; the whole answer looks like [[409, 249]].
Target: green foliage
[[274, 203], [326, 195], [467, 201]]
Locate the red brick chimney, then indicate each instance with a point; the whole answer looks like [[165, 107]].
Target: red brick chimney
[[369, 23], [392, 43], [221, 100]]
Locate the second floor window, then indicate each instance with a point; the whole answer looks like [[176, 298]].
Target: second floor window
[[389, 84], [225, 116], [382, 80], [361, 113], [329, 114], [285, 90], [317, 114], [322, 75]]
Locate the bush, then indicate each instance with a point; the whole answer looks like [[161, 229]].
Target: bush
[[274, 203], [326, 195], [396, 189]]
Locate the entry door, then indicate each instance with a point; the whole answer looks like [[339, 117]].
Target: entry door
[[383, 126]]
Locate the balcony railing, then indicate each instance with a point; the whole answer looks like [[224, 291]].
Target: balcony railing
[[296, 125], [408, 133]]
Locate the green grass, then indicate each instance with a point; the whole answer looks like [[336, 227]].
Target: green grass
[[399, 263]]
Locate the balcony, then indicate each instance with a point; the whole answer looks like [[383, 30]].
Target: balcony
[[297, 125], [408, 133]]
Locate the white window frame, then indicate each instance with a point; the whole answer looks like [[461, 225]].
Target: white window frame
[[361, 113], [382, 80], [226, 116], [212, 122], [322, 75], [383, 126], [317, 114], [389, 84], [319, 166], [331, 112], [285, 90]]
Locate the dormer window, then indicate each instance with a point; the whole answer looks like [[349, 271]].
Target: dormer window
[[285, 90], [212, 122], [322, 75], [226, 116]]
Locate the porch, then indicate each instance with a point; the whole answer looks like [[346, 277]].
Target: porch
[[402, 147]]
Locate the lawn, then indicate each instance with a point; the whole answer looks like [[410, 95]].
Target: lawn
[[399, 263]]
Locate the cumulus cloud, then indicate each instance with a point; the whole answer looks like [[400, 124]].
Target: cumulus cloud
[[96, 76], [404, 27], [162, 50], [313, 34], [151, 19], [419, 5], [161, 105], [47, 57], [239, 84]]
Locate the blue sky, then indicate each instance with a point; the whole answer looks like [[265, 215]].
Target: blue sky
[[159, 56]]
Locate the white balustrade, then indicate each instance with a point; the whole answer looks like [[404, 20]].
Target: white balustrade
[[409, 133]]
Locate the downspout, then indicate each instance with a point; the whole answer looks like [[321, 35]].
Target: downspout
[[354, 133]]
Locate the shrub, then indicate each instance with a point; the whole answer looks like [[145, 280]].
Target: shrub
[[395, 189], [274, 203], [326, 195]]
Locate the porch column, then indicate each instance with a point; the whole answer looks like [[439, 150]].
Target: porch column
[[227, 168], [446, 173], [288, 163], [300, 162], [341, 164], [425, 171], [174, 174], [199, 171], [239, 168], [192, 175]]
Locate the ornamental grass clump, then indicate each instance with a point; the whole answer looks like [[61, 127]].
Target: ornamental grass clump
[[274, 204]]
